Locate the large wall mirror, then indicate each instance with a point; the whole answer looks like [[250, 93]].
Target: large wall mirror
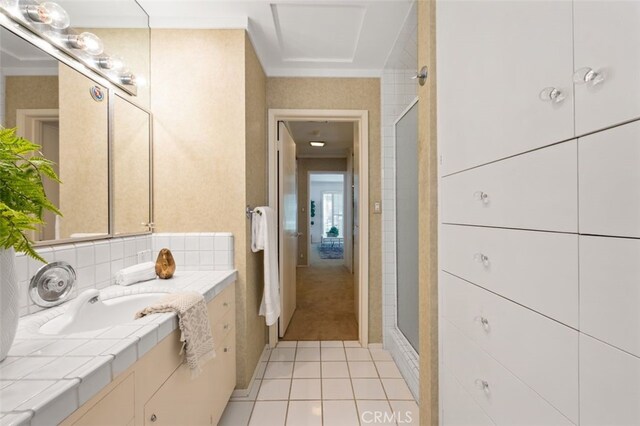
[[98, 136]]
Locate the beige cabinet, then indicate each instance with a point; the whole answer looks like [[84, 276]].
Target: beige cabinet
[[159, 389]]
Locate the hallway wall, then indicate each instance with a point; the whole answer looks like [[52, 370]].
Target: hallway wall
[[306, 165], [346, 93]]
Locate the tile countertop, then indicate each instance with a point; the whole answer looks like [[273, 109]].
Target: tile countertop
[[45, 378]]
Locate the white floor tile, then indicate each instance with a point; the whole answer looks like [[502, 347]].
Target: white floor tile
[[279, 370], [269, 413], [274, 389], [358, 354], [407, 412], [368, 389], [306, 370], [305, 389], [375, 413], [380, 355], [332, 344], [333, 354], [397, 389], [309, 344], [286, 344], [283, 354], [236, 414], [363, 369], [388, 369], [352, 344], [336, 389], [304, 413], [335, 369], [308, 354], [340, 413]]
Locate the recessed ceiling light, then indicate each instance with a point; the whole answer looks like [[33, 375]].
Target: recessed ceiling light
[[316, 143]]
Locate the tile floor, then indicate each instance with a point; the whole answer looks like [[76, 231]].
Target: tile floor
[[328, 383]]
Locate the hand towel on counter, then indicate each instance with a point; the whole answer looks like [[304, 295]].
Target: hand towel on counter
[[264, 237], [193, 320], [134, 274]]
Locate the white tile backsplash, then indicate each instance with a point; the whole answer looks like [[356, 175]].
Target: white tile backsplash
[[97, 262]]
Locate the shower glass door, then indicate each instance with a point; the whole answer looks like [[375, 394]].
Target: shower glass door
[[406, 130]]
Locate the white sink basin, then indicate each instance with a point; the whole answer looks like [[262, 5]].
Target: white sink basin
[[87, 312]]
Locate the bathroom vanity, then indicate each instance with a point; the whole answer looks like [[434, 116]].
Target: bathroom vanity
[[126, 374]]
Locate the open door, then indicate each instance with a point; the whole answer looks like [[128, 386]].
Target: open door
[[288, 225]]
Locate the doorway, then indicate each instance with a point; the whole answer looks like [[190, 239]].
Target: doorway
[[328, 234], [354, 262]]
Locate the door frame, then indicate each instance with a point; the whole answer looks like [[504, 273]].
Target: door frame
[[361, 118], [346, 196]]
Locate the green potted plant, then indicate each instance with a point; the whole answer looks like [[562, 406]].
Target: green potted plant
[[22, 204], [333, 232]]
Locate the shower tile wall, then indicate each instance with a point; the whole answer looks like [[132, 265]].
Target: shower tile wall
[[398, 92]]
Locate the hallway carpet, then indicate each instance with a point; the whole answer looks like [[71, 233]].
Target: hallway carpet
[[325, 308]]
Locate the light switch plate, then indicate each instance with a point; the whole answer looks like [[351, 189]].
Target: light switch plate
[[377, 209]]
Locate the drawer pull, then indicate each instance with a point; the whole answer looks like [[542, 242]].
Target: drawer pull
[[551, 94], [481, 258], [588, 76], [227, 349], [226, 327], [153, 418], [483, 322], [481, 196], [225, 304], [482, 385]]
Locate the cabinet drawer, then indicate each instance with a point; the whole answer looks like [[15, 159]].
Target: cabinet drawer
[[222, 303], [506, 399], [223, 326], [609, 385], [540, 351], [535, 269], [458, 408], [536, 190], [610, 182], [610, 291]]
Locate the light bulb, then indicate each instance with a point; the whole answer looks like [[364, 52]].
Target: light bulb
[[49, 13], [113, 63], [128, 78], [87, 42]]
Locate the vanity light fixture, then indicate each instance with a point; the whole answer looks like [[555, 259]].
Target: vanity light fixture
[[316, 143], [128, 78], [49, 13], [110, 62], [87, 42]]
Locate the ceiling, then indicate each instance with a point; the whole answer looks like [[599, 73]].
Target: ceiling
[[345, 38], [338, 138], [19, 57]]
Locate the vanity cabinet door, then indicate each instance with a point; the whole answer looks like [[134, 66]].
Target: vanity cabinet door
[[494, 59], [115, 409], [607, 41]]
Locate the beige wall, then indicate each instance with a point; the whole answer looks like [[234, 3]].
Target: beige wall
[[84, 161], [306, 165], [428, 203], [346, 93], [29, 92], [208, 100]]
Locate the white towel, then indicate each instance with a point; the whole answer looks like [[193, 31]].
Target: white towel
[[134, 274], [264, 237]]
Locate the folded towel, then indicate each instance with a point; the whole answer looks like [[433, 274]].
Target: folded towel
[[264, 237], [136, 273], [194, 325]]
